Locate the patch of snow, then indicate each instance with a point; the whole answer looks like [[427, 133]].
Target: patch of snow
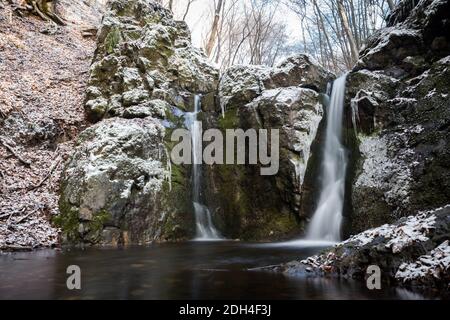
[[385, 171], [432, 265], [431, 94], [386, 36]]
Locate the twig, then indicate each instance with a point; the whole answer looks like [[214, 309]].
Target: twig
[[11, 149], [26, 216], [50, 172], [12, 213], [5, 215]]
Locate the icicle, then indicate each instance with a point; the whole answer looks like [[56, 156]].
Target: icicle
[[169, 169], [355, 115], [222, 106]]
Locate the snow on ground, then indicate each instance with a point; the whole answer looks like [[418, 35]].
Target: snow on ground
[[42, 87]]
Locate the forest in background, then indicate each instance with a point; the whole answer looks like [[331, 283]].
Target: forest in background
[[251, 32]]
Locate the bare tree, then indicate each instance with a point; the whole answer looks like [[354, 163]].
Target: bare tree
[[188, 7], [334, 30], [214, 28]]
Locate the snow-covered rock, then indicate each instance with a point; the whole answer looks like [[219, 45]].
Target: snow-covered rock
[[428, 270], [412, 251], [286, 97], [397, 118]]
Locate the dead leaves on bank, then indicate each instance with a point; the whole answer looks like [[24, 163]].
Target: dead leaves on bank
[[42, 85]]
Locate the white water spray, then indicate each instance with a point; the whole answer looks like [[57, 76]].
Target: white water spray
[[204, 226], [326, 222]]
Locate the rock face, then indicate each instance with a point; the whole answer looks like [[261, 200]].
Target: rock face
[[398, 118], [119, 186], [397, 128], [413, 251], [251, 206], [144, 63], [114, 179]]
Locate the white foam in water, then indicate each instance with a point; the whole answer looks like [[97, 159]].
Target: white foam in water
[[299, 244], [326, 222]]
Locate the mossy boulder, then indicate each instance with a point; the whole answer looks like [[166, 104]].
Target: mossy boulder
[[118, 179], [143, 54], [246, 204]]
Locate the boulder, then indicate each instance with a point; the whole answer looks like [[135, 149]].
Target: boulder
[[412, 252], [286, 97], [115, 179], [119, 187], [397, 120]]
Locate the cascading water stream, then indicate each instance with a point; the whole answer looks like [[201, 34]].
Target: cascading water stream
[[205, 229], [326, 222]]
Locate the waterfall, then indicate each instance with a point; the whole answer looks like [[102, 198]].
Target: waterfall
[[326, 222], [205, 229]]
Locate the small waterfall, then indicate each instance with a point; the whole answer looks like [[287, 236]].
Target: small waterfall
[[326, 222], [204, 226]]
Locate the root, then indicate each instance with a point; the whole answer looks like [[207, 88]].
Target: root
[[45, 9]]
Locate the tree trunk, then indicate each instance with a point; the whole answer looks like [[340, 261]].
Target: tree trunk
[[215, 26], [348, 32], [391, 4]]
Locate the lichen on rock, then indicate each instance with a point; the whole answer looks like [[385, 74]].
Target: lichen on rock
[[119, 186], [287, 98], [397, 107]]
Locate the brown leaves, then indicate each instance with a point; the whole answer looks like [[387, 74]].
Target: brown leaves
[[41, 113]]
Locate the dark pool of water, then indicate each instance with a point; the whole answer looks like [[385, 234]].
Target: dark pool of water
[[194, 270]]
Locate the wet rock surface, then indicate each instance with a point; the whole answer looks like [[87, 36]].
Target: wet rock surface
[[287, 98], [397, 112], [119, 186], [411, 252]]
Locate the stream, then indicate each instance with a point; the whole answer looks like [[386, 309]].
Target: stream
[[191, 270]]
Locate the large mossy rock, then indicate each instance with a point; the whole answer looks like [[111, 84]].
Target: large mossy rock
[[144, 56], [119, 186], [287, 97], [113, 183], [398, 115]]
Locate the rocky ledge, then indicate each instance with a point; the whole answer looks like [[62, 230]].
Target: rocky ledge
[[287, 97], [414, 251], [119, 186]]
